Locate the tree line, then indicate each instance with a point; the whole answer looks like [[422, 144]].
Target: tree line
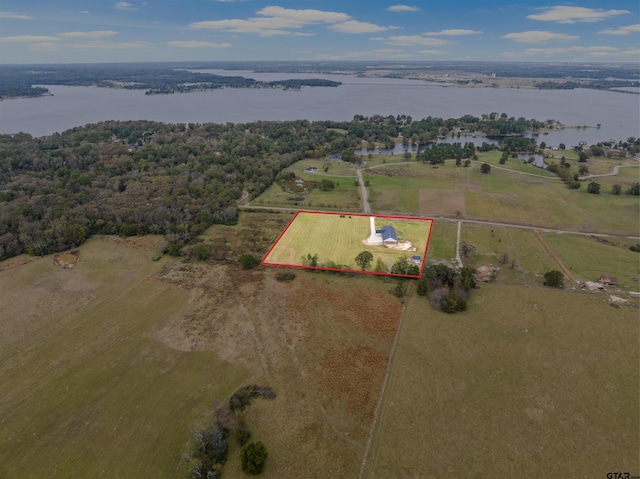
[[142, 177]]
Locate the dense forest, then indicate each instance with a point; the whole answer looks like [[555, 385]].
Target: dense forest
[[141, 177]]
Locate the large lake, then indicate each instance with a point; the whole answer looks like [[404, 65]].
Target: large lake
[[617, 112]]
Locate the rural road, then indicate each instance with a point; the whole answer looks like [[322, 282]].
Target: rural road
[[551, 252], [613, 173], [365, 198], [480, 222]]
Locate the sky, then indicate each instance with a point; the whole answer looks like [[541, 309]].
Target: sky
[[82, 31]]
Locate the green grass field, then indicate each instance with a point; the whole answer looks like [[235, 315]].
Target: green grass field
[[589, 257], [399, 192], [86, 390], [339, 239], [514, 164], [442, 243], [507, 195], [529, 383]]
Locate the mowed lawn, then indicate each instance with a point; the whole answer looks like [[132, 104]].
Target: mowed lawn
[[86, 391], [338, 238], [529, 383]]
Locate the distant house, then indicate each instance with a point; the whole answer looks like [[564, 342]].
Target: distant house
[[416, 260], [312, 169], [389, 235], [608, 280]]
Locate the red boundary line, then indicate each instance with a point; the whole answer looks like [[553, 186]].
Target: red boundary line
[[378, 273]]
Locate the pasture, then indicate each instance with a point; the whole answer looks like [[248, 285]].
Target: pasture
[[86, 389], [337, 240], [108, 369], [509, 196], [344, 197], [589, 257], [529, 382]]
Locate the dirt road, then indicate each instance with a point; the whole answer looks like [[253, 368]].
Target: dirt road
[[550, 251]]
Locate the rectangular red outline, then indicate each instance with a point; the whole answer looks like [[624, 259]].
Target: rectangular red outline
[[379, 273]]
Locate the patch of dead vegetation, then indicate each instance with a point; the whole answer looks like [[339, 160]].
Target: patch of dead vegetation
[[322, 341], [66, 260], [405, 172], [441, 202]]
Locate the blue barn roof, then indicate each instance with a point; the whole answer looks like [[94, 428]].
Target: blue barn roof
[[388, 232]]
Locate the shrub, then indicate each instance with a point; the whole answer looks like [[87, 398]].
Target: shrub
[[242, 433], [253, 458], [485, 168], [213, 446], [381, 267], [201, 252], [554, 279], [249, 261], [285, 276], [593, 188], [247, 393]]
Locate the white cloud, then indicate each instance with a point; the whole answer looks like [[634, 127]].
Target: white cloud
[[622, 30], [454, 32], [565, 14], [101, 45], [535, 36], [416, 40], [402, 8], [304, 17], [433, 52], [195, 44], [44, 46], [94, 34], [354, 26], [28, 39], [384, 53], [14, 16], [274, 21], [125, 6]]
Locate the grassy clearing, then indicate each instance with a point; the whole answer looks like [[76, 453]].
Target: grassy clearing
[[442, 244], [529, 383], [333, 168], [514, 164], [86, 391], [589, 257], [526, 259], [339, 239], [396, 188], [345, 197]]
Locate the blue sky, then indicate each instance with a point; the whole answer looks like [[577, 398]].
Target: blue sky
[[77, 31]]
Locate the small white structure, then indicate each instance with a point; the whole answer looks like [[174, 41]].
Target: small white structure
[[591, 286]]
